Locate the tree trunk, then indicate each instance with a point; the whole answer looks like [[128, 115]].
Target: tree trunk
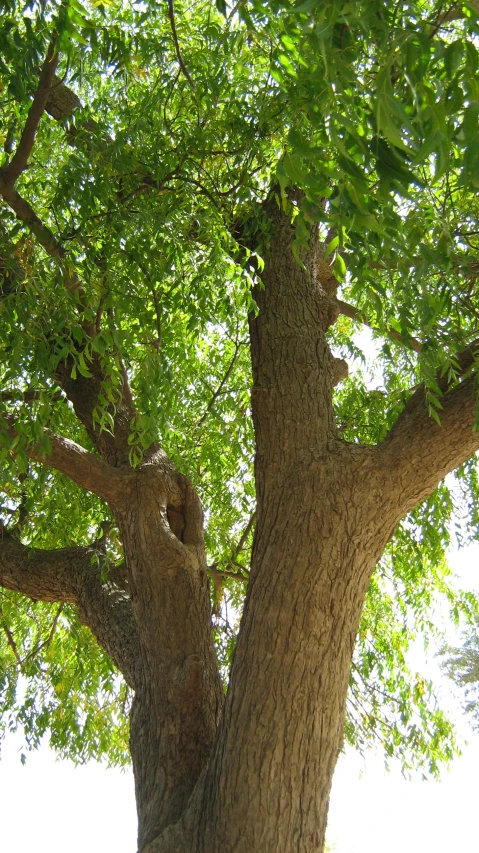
[[318, 537], [178, 695]]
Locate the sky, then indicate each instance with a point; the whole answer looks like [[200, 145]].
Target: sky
[[53, 807]]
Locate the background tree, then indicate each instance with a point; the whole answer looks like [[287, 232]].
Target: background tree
[[183, 191], [461, 664]]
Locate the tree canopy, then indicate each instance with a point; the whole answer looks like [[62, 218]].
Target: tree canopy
[[140, 144]]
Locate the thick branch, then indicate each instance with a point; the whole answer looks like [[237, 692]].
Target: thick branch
[[85, 469], [418, 453], [25, 213], [19, 161], [74, 575]]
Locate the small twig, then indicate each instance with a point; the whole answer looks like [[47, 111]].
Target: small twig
[[8, 144], [219, 575], [450, 14], [46, 643], [22, 506], [11, 643], [157, 343], [171, 15], [242, 540], [203, 189], [235, 8], [220, 386], [354, 314]]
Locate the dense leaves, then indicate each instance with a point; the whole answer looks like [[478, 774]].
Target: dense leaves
[[148, 193]]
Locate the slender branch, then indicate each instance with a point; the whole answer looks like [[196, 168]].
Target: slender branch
[[157, 343], [25, 213], [22, 506], [219, 575], [11, 642], [85, 469], [45, 643], [244, 536], [30, 396], [171, 15], [10, 173], [354, 314], [19, 161], [220, 386]]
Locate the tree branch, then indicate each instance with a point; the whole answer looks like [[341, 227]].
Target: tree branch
[[171, 15], [74, 576], [19, 161], [220, 386], [25, 213], [244, 536], [10, 173], [219, 575], [11, 642], [354, 314], [418, 453], [85, 469]]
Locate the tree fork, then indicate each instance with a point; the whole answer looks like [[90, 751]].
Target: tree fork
[[317, 540], [326, 510]]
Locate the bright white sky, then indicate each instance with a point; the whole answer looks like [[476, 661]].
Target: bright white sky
[[49, 807]]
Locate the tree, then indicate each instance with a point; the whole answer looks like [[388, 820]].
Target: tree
[[461, 664], [184, 188]]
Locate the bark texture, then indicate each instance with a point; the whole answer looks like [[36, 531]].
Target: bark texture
[[178, 702], [318, 537], [325, 512]]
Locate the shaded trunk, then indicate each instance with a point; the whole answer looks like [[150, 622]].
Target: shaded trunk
[[178, 696]]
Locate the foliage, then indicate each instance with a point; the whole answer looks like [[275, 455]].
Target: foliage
[[55, 679], [151, 191]]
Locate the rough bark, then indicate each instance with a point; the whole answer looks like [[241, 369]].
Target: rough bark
[[325, 511], [76, 576], [178, 702], [267, 785]]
